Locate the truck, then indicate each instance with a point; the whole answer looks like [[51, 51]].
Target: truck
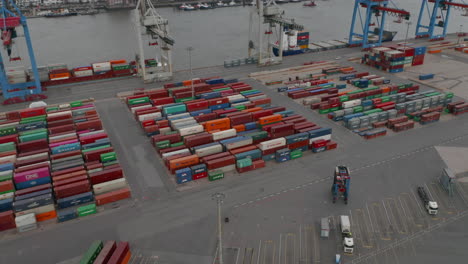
[[431, 206], [341, 182], [348, 241]]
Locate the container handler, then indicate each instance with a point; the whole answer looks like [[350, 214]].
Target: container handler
[[341, 181]]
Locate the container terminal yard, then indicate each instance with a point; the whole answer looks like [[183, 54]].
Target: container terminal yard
[[349, 195]]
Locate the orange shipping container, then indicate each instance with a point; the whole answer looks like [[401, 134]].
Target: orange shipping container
[[183, 162], [59, 76], [127, 257], [385, 89], [46, 216], [251, 110], [118, 61], [187, 83], [434, 51], [218, 124], [239, 128], [270, 119]]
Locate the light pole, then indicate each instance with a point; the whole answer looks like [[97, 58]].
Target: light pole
[[219, 197], [190, 49], [408, 23], [460, 34]]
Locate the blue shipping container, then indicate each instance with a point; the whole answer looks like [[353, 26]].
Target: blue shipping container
[[199, 168], [215, 81], [34, 194], [7, 166], [30, 126], [200, 112], [231, 81], [269, 157], [34, 202], [184, 173], [75, 200], [320, 132], [181, 180], [6, 205], [252, 154], [66, 148], [250, 126], [66, 214], [220, 106], [32, 183], [210, 95], [296, 137]]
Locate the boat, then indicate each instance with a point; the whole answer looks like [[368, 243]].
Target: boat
[[282, 1], [387, 35], [89, 12], [295, 1], [202, 6], [221, 4], [61, 13], [186, 7], [310, 4]]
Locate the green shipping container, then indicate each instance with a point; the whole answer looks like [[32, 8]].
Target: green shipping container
[[9, 191], [96, 148], [449, 95], [221, 89], [344, 98], [215, 175], [385, 99], [7, 146], [242, 163], [110, 156], [175, 109], [249, 91], [186, 99], [92, 253], [27, 138], [334, 109], [324, 111], [76, 104], [111, 163], [240, 107], [34, 131], [372, 111], [138, 101], [86, 210], [296, 154], [177, 144], [121, 67], [377, 95], [163, 144], [33, 119], [50, 109], [6, 177], [358, 109], [331, 85], [95, 170], [258, 135]]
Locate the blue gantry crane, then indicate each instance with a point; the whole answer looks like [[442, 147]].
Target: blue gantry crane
[[368, 11], [11, 18], [436, 16], [341, 182]]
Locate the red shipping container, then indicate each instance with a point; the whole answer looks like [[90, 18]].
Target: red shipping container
[[319, 143], [9, 138], [195, 106], [33, 189], [96, 154], [173, 138], [33, 166], [282, 134], [7, 220], [269, 127], [71, 189], [257, 164], [214, 156], [70, 180], [278, 109], [60, 123], [56, 118], [182, 94], [61, 129], [105, 175], [205, 117], [245, 169], [14, 115], [31, 112], [157, 94], [65, 154], [113, 196], [31, 161], [92, 138], [221, 162], [218, 101], [6, 186], [263, 113], [264, 101], [282, 128], [242, 88], [89, 125], [32, 145], [308, 129], [299, 144], [242, 149], [221, 112], [145, 111], [70, 175], [241, 119], [271, 151], [331, 145], [120, 253], [200, 175], [198, 140]]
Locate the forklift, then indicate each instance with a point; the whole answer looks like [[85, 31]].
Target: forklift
[[341, 181]]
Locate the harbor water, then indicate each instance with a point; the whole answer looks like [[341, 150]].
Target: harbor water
[[215, 34]]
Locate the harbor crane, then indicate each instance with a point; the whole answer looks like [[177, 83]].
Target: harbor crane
[[373, 10], [436, 16], [267, 18], [157, 28], [10, 19]]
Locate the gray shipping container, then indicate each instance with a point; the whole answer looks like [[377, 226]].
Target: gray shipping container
[[27, 204]]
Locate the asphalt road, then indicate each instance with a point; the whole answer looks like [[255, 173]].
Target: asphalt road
[[273, 211]]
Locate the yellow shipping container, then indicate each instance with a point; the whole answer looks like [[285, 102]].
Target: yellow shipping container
[[304, 46]]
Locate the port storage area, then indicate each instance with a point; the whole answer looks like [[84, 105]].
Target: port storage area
[[56, 164], [226, 126], [367, 104]]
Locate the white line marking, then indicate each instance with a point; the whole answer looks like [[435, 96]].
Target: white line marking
[[279, 252], [259, 251]]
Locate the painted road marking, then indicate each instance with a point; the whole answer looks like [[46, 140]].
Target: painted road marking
[[289, 249], [396, 214], [382, 224], [414, 213], [421, 207], [248, 256], [442, 199], [268, 252], [361, 217]]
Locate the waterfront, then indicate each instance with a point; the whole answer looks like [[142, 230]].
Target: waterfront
[[216, 34]]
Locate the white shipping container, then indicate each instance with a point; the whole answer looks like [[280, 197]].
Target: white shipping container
[[149, 116], [369, 76], [191, 130], [189, 123], [226, 169], [24, 220], [178, 115], [7, 195], [9, 124], [180, 151], [133, 109], [258, 97], [45, 163], [83, 73], [62, 136], [224, 134], [66, 158], [292, 41], [8, 159], [101, 66], [26, 228], [326, 137], [7, 172], [235, 97], [209, 150], [109, 186], [238, 144], [241, 103], [164, 130], [38, 155], [59, 113], [91, 133], [274, 143], [37, 210], [351, 103], [64, 106], [182, 120]]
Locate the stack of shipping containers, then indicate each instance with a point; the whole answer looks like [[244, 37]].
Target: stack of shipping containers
[[55, 163], [395, 58], [227, 126]]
